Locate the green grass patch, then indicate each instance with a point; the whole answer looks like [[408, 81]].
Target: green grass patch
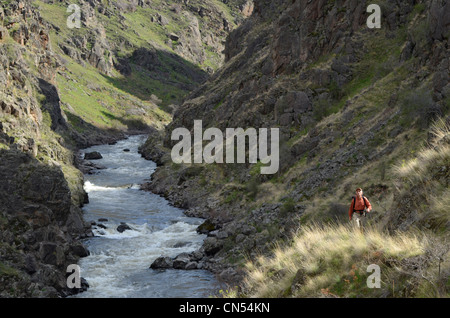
[[100, 104], [6, 270], [235, 195], [287, 207]]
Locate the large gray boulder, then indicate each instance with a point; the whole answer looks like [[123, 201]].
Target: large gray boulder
[[94, 155], [181, 261], [162, 262]]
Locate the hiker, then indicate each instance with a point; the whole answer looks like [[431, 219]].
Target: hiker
[[358, 208]]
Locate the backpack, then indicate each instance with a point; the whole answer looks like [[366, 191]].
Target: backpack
[[353, 200]]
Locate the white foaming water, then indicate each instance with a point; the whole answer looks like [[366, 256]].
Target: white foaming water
[[119, 262], [89, 187]]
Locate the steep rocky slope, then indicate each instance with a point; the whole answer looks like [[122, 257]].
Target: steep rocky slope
[[351, 102], [330, 260]]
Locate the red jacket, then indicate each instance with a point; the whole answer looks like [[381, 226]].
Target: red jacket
[[359, 205]]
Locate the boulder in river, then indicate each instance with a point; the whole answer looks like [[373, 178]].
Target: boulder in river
[[162, 262], [94, 155], [83, 287], [212, 245], [123, 227], [180, 244], [183, 261], [126, 150], [191, 265]]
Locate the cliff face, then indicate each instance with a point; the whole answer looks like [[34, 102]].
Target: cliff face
[[350, 103], [40, 228], [318, 48], [194, 30], [40, 216]]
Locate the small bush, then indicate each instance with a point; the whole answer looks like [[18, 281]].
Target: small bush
[[418, 105], [335, 91], [420, 32], [233, 196], [321, 109], [287, 207], [338, 212], [252, 188]]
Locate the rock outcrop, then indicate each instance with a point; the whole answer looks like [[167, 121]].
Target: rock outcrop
[[40, 228], [41, 222]]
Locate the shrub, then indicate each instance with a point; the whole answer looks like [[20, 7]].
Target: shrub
[[420, 33], [418, 105], [252, 187], [321, 109], [287, 207], [233, 196], [338, 212], [335, 91]]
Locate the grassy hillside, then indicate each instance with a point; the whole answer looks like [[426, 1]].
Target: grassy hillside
[[104, 83], [331, 261], [88, 96]]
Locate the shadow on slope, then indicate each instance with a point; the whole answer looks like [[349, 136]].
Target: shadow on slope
[[160, 76]]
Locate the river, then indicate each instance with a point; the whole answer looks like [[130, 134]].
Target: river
[[118, 264]]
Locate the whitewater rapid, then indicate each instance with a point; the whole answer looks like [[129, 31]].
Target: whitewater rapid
[[118, 264]]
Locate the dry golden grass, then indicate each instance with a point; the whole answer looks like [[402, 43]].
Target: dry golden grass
[[429, 173], [331, 260], [324, 256], [438, 152], [440, 131]]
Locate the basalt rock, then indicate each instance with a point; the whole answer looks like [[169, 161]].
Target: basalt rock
[[181, 261], [123, 227], [40, 217], [95, 155], [41, 221], [36, 206], [162, 263]]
